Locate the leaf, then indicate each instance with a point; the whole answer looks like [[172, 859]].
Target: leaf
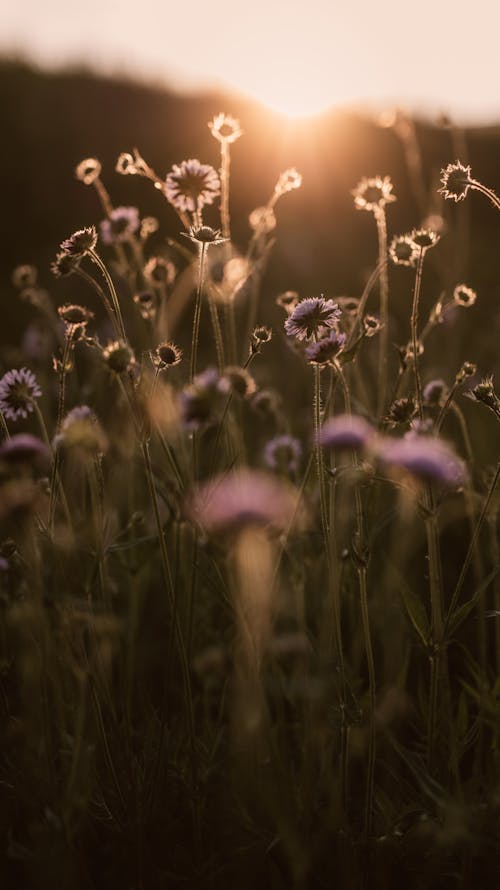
[[459, 615]]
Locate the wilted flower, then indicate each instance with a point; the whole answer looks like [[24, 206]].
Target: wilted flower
[[166, 355], [312, 317], [18, 389], [225, 128], [403, 251], [80, 242], [262, 220], [484, 392], [371, 325], [464, 296], [243, 498], [204, 235], [424, 238], [345, 431], [121, 223], [238, 381], [159, 271], [456, 181], [118, 356], [373, 194], [88, 171], [434, 392], [288, 300], [73, 314], [325, 350], [23, 448], [201, 401], [190, 185], [283, 453], [24, 276], [259, 337], [64, 264], [427, 458], [290, 179]]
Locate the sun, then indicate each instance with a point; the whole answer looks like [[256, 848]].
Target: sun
[[293, 97]]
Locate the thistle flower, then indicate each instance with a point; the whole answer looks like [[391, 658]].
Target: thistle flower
[[18, 389], [424, 238], [346, 431], [24, 276], [88, 171], [464, 296], [373, 194], [73, 314], [283, 454], [425, 457], [484, 392], [259, 337], [118, 356], [325, 350], [80, 242], [262, 220], [288, 180], [371, 325], [204, 235], [120, 225], [288, 300], [190, 185], [23, 448], [225, 128], [456, 181], [241, 499], [166, 355], [401, 411], [403, 251], [159, 271], [64, 264], [311, 318], [238, 381]]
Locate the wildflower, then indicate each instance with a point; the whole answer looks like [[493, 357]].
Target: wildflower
[[401, 411], [149, 225], [371, 325], [424, 238], [23, 448], [288, 180], [75, 315], [78, 244], [348, 305], [435, 392], [81, 430], [225, 128], [456, 181], [425, 457], [120, 225], [312, 317], [159, 271], [345, 431], [288, 300], [125, 164], [118, 356], [262, 220], [266, 402], [464, 296], [403, 251], [484, 392], [204, 235], [24, 276], [373, 194], [283, 454], [190, 185], [238, 381], [166, 355], [241, 499], [64, 264], [408, 350], [18, 390], [146, 301], [325, 350], [88, 171], [201, 401], [468, 369], [259, 337]]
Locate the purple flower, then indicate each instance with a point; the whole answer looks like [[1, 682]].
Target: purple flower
[[425, 457], [283, 453], [312, 318], [80, 242], [345, 431], [322, 352], [121, 223], [23, 448], [243, 498], [18, 388], [190, 185], [201, 401]]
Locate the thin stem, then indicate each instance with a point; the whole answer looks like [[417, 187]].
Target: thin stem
[[4, 427], [384, 310], [495, 200], [224, 188], [197, 313], [98, 289], [112, 292], [414, 333], [219, 346], [437, 656]]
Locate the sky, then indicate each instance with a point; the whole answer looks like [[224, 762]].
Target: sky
[[297, 56]]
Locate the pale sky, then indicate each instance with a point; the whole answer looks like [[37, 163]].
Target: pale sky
[[295, 55]]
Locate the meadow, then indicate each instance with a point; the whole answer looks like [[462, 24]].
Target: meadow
[[249, 542]]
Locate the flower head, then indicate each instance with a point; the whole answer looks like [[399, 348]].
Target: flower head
[[190, 185], [125, 164], [88, 171], [159, 271], [64, 264], [166, 355], [484, 392], [372, 325], [464, 296], [80, 242], [345, 431], [262, 220], [24, 276], [149, 225], [425, 457], [424, 238], [403, 251], [401, 411], [283, 454], [18, 389], [81, 430], [288, 180], [73, 314], [204, 235], [325, 350], [118, 356], [238, 381], [373, 194], [225, 128], [288, 300], [23, 448], [259, 337], [202, 400], [435, 392], [312, 317], [146, 302], [121, 223], [456, 181]]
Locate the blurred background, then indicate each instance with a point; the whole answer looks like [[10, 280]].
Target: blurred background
[[314, 85]]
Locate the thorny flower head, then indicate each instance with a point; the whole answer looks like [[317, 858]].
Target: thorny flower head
[[456, 181], [325, 350], [166, 355], [120, 225], [190, 185], [146, 302], [403, 251], [373, 194], [312, 318], [288, 180], [288, 300], [201, 402], [225, 128], [464, 296], [424, 238], [18, 389], [118, 356], [204, 235], [80, 242], [283, 454], [346, 431], [259, 337], [238, 381], [425, 457], [484, 392], [88, 170], [401, 411], [371, 325], [64, 264], [73, 314]]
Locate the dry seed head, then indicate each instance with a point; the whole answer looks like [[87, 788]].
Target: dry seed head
[[24, 276], [290, 179], [146, 302], [262, 220], [225, 128], [88, 170], [125, 164], [424, 238], [468, 369], [288, 300], [403, 251], [80, 242], [166, 355], [464, 296], [204, 235], [456, 181], [149, 225], [259, 337], [118, 356], [373, 193], [159, 271], [371, 325], [408, 350], [64, 264], [238, 381]]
